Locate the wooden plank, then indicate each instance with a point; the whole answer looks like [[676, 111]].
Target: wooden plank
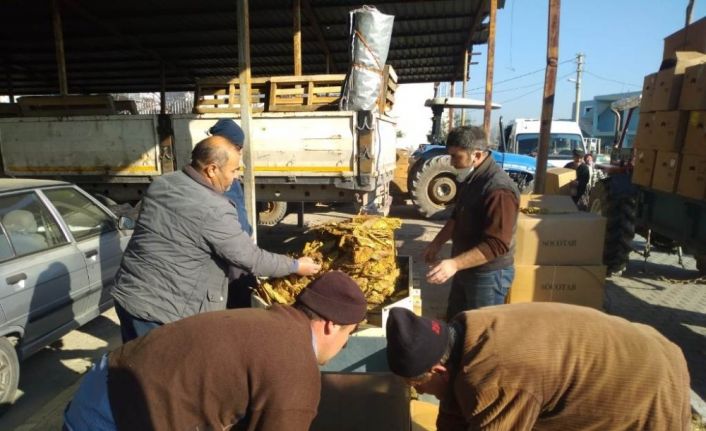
[[290, 91], [328, 89], [490, 68], [305, 78], [297, 36], [310, 93]]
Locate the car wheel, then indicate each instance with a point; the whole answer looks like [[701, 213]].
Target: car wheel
[[9, 371]]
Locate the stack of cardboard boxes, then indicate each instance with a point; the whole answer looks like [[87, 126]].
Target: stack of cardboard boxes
[[558, 253], [670, 147]]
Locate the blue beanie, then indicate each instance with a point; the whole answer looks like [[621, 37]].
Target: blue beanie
[[228, 129]]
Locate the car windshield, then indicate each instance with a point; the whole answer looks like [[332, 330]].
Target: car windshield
[[561, 144]]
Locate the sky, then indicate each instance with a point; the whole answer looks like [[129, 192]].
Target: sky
[[622, 41]]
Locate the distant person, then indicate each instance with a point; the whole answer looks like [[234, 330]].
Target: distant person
[[580, 189], [482, 227], [186, 238], [595, 174], [254, 369], [542, 366], [240, 281]]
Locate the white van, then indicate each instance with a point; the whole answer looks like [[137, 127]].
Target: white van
[[565, 137]]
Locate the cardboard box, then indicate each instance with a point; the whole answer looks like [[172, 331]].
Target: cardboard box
[[690, 38], [693, 90], [666, 171], [668, 85], [692, 177], [560, 239], [558, 181], [669, 130], [648, 93], [579, 285], [695, 140], [645, 130], [556, 204], [644, 167]]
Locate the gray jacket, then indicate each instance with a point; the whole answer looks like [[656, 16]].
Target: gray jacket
[[186, 237]]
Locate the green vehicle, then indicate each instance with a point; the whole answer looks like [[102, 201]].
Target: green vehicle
[[664, 219]]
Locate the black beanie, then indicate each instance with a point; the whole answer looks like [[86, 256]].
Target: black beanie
[[336, 297], [414, 344]]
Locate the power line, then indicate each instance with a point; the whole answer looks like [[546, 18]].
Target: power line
[[507, 90], [521, 76], [535, 90], [611, 80]]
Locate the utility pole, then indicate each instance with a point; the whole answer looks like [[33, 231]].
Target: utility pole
[[579, 72]]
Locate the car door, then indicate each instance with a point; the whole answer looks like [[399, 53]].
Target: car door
[[96, 234], [40, 272]]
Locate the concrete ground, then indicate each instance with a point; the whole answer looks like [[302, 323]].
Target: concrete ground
[[660, 293]]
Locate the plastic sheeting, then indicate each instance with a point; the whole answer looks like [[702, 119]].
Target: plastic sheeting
[[370, 32]]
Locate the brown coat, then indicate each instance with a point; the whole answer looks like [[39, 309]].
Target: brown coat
[[247, 369], [560, 367]]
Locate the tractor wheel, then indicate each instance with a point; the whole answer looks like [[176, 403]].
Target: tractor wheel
[[271, 213], [434, 187], [619, 210], [701, 263]]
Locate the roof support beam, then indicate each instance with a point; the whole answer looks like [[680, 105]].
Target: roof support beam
[[59, 47], [297, 37], [545, 124], [490, 69], [246, 109], [475, 22]]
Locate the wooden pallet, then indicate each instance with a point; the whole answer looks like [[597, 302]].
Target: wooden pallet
[[213, 95], [386, 100], [60, 106], [304, 93]]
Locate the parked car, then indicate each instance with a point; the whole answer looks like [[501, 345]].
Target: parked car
[[59, 251]]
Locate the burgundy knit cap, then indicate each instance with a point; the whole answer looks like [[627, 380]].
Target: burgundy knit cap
[[335, 297], [414, 344]]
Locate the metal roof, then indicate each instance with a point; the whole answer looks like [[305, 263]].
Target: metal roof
[[118, 46]]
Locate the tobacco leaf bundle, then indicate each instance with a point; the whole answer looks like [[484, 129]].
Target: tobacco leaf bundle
[[363, 247]]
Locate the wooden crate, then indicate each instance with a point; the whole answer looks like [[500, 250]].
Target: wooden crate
[[304, 93], [386, 100], [214, 95], [61, 106]]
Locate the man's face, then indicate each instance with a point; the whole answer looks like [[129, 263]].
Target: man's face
[[224, 175], [336, 337], [462, 158], [433, 383]]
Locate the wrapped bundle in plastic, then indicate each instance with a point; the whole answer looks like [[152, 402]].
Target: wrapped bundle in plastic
[[370, 35]]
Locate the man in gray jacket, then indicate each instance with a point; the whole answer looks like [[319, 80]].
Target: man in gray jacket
[[186, 237]]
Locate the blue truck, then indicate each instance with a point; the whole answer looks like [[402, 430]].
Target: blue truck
[[431, 180]]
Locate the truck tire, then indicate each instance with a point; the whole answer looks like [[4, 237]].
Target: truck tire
[[619, 210], [271, 213], [9, 371], [434, 188], [701, 263]]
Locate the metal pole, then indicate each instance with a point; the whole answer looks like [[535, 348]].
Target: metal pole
[[579, 74], [463, 85], [244, 79], [452, 113], [689, 12], [297, 38], [59, 48], [548, 97], [490, 68]]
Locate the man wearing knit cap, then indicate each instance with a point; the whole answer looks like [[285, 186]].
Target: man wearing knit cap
[[545, 366], [240, 281], [252, 369]]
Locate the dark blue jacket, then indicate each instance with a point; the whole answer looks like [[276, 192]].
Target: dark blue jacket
[[235, 194]]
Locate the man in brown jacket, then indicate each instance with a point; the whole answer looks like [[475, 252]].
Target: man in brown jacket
[[481, 228], [542, 366], [245, 369]]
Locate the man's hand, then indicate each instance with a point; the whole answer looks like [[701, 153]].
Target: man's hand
[[430, 252], [442, 271], [307, 266]]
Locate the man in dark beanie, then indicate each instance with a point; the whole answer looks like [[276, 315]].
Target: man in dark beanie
[[240, 281], [545, 366], [254, 369]]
